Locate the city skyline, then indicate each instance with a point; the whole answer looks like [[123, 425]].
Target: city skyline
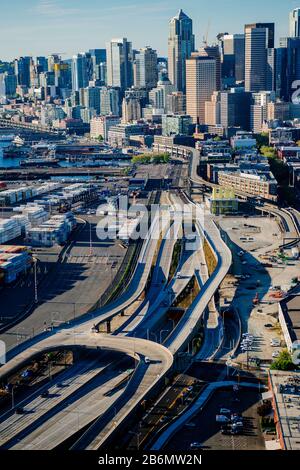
[[68, 27]]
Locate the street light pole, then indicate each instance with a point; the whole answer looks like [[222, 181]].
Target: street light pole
[[35, 282], [13, 397]]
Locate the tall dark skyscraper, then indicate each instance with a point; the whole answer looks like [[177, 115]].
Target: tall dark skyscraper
[[22, 70], [288, 67], [98, 59], [233, 57], [181, 45]]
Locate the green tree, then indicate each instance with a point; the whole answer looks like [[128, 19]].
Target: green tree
[[284, 362], [267, 151], [262, 139]]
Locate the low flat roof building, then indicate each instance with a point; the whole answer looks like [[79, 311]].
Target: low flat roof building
[[285, 388], [289, 317]]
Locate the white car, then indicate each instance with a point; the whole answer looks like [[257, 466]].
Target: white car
[[147, 360], [276, 354]]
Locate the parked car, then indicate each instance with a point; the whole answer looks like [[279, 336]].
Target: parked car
[[196, 445], [225, 411], [222, 419]]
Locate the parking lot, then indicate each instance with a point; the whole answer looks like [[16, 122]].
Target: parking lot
[[252, 239], [204, 430]]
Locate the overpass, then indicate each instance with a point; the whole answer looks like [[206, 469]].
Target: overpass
[[8, 123]]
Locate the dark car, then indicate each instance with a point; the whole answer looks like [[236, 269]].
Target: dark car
[[45, 394], [19, 410]]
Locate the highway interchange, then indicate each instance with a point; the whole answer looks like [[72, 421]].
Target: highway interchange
[[82, 403]]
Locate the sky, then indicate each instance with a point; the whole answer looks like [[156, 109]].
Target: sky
[[42, 27]]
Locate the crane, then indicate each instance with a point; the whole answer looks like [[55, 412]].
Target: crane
[[205, 38]]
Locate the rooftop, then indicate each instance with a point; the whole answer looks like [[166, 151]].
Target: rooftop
[[286, 391], [291, 310]]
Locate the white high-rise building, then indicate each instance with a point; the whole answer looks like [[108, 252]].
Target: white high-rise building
[[295, 23], [119, 63], [145, 68], [181, 45], [259, 40], [158, 96]]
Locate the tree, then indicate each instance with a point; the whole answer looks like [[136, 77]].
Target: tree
[[284, 362], [262, 139], [147, 158], [267, 151]]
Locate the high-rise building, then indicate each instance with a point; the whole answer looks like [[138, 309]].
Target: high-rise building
[[90, 98], [119, 63], [158, 96], [278, 110], [131, 110], [213, 51], [213, 109], [141, 94], [100, 126], [233, 58], [145, 68], [181, 45], [295, 23], [200, 85], [98, 59], [235, 108], [8, 85], [42, 64], [109, 101], [176, 124], [22, 71], [176, 103], [259, 109], [80, 75], [271, 69], [287, 67], [259, 37]]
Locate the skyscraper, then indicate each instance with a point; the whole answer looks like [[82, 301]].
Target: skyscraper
[[181, 45], [233, 57], [98, 59], [288, 67], [259, 37], [200, 85], [213, 51], [22, 70], [80, 78], [295, 23], [145, 68], [119, 63], [235, 108]]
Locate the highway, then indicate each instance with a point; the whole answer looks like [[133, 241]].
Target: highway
[[146, 376], [75, 415], [39, 408]]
